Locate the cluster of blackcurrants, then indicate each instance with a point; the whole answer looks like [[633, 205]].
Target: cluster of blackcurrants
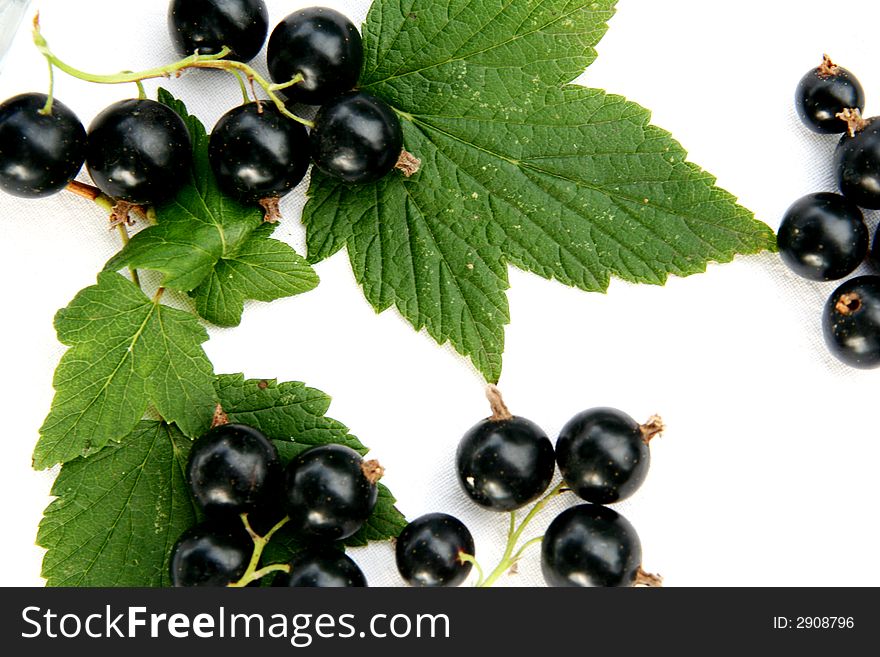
[[324, 495], [138, 150], [506, 462], [823, 236]]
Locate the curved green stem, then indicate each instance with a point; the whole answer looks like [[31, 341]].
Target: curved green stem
[[252, 574], [244, 92], [514, 533], [471, 559], [196, 60]]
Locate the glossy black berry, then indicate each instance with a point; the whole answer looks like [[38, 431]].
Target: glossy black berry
[[823, 93], [505, 464], [205, 26], [138, 151], [324, 569], [210, 554], [857, 165], [328, 492], [231, 470], [603, 455], [823, 237], [590, 545], [851, 322], [428, 551], [39, 154], [323, 46], [357, 138], [257, 153]]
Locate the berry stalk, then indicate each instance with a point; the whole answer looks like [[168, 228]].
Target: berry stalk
[[196, 60], [252, 574], [512, 554]]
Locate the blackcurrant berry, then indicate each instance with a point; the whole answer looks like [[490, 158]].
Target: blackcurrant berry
[[210, 554], [231, 470], [256, 152], [39, 154], [823, 93], [823, 237], [603, 454], [330, 492], [429, 548], [505, 462], [851, 322], [323, 46], [590, 545], [857, 163], [138, 151], [326, 568], [205, 26], [357, 138]]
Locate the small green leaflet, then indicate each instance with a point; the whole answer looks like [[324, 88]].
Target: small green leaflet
[[263, 269], [570, 183], [127, 352], [119, 512], [213, 246], [283, 411]]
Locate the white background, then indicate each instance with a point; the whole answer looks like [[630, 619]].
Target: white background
[[767, 474]]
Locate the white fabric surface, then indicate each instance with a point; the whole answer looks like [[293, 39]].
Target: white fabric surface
[[767, 474]]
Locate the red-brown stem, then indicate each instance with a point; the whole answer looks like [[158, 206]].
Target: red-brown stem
[[408, 164], [853, 119], [644, 578], [827, 68], [84, 190], [220, 418], [848, 304], [652, 428], [373, 471], [496, 402]]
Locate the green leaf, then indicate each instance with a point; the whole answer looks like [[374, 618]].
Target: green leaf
[[293, 416], [126, 352], [570, 183], [288, 411], [384, 523], [118, 513], [197, 228], [263, 269]]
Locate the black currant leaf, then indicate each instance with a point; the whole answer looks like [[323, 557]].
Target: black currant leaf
[[127, 352], [570, 183], [263, 269], [292, 414], [209, 244], [385, 522], [286, 412], [118, 513]]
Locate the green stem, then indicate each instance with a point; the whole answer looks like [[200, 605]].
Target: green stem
[[123, 235], [514, 533], [471, 559], [252, 573], [196, 60], [244, 92]]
